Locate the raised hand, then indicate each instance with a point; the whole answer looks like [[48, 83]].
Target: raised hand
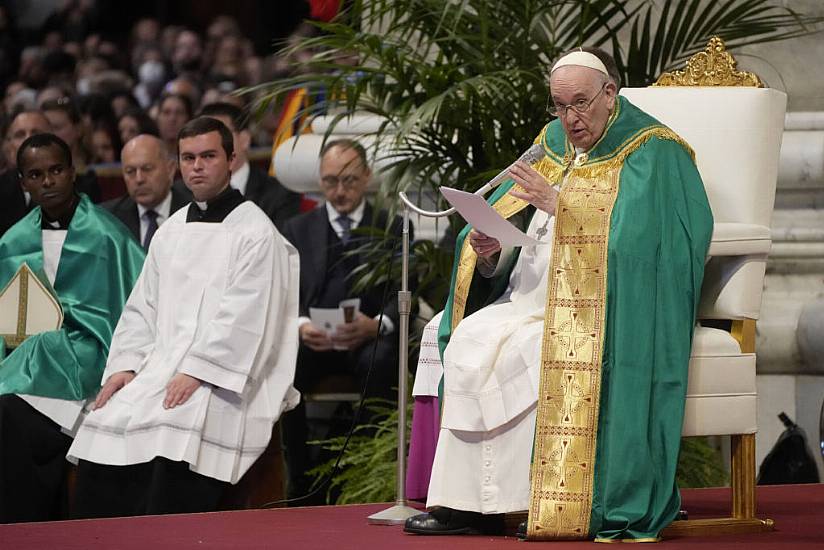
[[536, 190]]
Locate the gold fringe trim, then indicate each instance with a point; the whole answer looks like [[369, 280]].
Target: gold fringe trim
[[614, 541], [599, 169]]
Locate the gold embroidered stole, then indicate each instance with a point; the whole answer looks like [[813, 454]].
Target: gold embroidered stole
[[570, 383]]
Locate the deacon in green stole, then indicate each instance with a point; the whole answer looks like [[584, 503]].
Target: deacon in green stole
[[90, 261], [631, 233]]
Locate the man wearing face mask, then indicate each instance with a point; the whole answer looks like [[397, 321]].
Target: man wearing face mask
[[151, 75], [565, 395]]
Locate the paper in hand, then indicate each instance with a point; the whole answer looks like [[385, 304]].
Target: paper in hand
[[482, 217], [327, 319]]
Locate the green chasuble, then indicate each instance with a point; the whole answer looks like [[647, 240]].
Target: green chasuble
[[632, 230], [99, 263]]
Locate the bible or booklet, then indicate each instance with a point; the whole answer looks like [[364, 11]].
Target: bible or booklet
[[329, 319], [481, 216]]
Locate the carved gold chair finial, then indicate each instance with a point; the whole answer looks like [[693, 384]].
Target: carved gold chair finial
[[715, 66]]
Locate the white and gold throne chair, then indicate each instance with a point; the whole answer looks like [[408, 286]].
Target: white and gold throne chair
[[735, 126]]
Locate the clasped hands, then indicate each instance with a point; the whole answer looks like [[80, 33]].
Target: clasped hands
[[536, 191], [179, 389], [348, 336]]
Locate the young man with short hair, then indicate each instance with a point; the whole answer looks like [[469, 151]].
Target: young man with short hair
[[203, 358]]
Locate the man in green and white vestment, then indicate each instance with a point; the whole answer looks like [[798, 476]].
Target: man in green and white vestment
[[91, 262]]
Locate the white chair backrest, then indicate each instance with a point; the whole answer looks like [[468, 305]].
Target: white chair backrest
[[296, 159], [736, 135]]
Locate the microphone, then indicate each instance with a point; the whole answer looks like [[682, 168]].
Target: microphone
[[530, 156]]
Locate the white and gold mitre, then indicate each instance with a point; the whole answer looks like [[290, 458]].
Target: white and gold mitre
[[27, 306]]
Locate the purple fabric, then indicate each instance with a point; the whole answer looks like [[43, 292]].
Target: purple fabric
[[423, 440]]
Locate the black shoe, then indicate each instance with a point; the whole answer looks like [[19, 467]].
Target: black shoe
[[682, 515], [520, 532], [446, 521]]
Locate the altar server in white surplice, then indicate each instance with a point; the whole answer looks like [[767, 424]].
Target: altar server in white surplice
[[203, 358]]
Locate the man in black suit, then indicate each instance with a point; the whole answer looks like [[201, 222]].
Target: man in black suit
[[149, 170], [14, 203], [325, 239], [266, 192]]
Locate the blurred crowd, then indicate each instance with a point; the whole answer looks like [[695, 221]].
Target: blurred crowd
[[98, 93]]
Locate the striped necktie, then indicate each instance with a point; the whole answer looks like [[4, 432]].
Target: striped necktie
[[151, 226]]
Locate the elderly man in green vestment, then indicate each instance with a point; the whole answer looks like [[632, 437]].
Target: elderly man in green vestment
[[564, 386], [89, 260]]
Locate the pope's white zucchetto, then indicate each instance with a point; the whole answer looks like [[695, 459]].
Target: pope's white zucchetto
[[581, 59]]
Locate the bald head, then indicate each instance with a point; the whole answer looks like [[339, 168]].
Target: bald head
[[148, 170]]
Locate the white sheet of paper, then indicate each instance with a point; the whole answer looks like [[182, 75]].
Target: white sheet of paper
[[327, 319], [481, 216]]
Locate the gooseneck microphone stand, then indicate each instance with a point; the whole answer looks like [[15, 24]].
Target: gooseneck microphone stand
[[398, 513]]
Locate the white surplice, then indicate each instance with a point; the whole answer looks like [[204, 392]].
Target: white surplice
[[219, 302], [63, 412], [491, 376]]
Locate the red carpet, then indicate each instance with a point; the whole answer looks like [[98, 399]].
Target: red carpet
[[798, 511]]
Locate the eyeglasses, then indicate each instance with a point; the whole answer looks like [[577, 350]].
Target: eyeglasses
[[581, 106], [349, 182]]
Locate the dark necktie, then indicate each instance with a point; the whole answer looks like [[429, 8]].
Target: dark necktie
[[151, 227], [346, 226]]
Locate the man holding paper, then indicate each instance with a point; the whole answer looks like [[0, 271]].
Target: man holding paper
[[564, 379], [327, 239]]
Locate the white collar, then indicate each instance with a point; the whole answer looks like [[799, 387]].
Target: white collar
[[355, 215], [240, 178], [163, 208]]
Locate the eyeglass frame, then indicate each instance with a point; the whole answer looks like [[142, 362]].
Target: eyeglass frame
[[348, 182], [581, 106]]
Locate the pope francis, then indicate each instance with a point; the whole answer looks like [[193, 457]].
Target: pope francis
[[565, 364]]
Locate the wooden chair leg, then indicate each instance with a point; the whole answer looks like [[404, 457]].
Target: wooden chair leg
[[742, 475], [742, 518]]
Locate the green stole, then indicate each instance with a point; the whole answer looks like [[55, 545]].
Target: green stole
[[99, 263], [632, 229]]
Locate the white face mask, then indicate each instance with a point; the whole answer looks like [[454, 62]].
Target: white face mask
[[84, 86], [151, 73]]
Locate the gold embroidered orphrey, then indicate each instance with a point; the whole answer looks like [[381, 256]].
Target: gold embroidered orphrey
[[715, 66], [570, 384]]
